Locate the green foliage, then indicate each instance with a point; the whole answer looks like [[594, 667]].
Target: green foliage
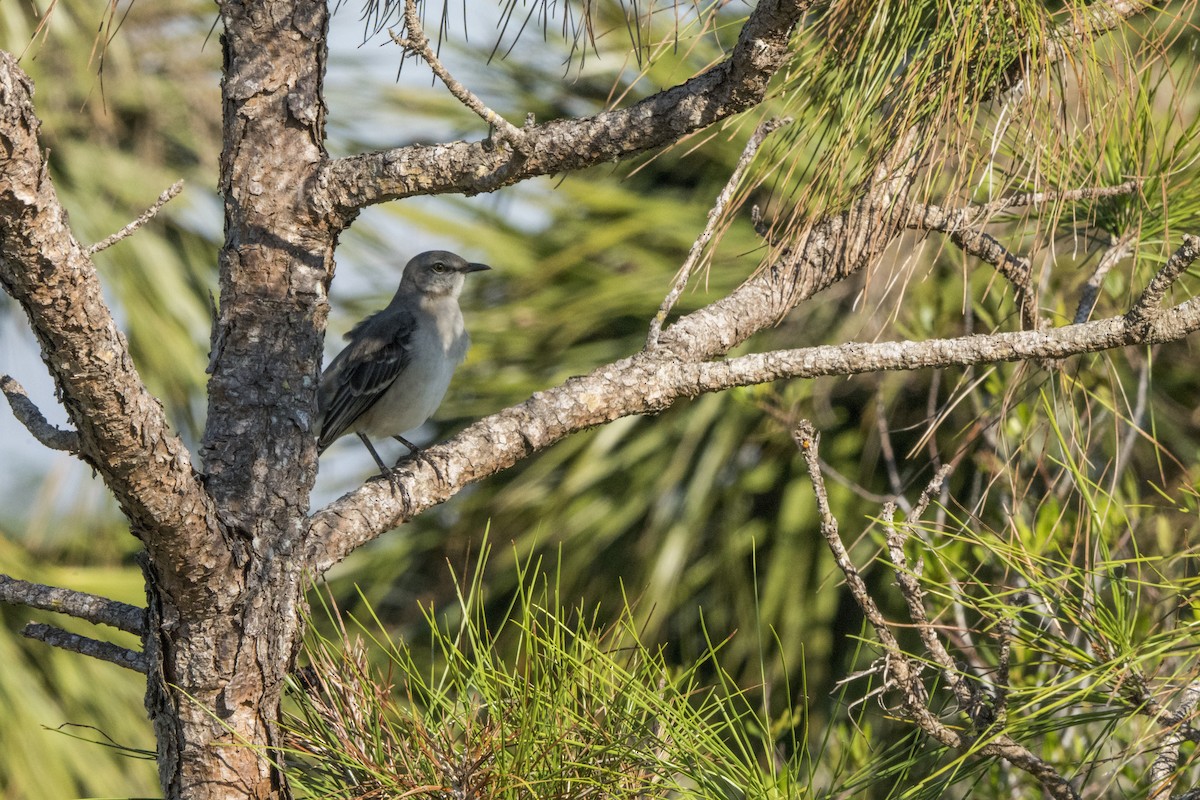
[[51, 702], [551, 702]]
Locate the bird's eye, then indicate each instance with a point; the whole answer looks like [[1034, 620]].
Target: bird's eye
[[439, 266]]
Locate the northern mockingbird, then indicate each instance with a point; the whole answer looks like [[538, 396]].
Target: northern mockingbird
[[394, 372]]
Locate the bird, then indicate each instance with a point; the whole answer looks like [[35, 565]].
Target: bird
[[394, 371]]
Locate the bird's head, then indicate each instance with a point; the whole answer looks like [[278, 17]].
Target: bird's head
[[437, 273]]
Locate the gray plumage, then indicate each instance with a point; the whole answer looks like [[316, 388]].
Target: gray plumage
[[394, 372]]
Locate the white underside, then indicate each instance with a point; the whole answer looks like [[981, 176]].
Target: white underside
[[438, 346]]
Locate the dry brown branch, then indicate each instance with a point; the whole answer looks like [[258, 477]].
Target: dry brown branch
[[685, 272], [105, 651], [1167, 761], [147, 215], [417, 42], [90, 607], [904, 671], [1118, 250], [29, 415]]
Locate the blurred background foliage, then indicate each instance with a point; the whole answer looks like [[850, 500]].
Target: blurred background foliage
[[700, 518]]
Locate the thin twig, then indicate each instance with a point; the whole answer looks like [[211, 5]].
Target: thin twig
[[1167, 761], [914, 597], [902, 671], [105, 651], [147, 215], [90, 607], [1147, 309], [932, 217], [1118, 250], [417, 42], [685, 272], [962, 225], [29, 415]]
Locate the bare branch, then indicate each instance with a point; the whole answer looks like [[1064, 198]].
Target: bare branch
[[29, 415], [986, 211], [904, 672], [685, 272], [123, 431], [90, 607], [914, 597], [932, 217], [418, 43], [105, 651], [808, 441], [1167, 761], [1015, 269], [1145, 311], [1118, 250], [347, 185], [147, 215], [963, 227]]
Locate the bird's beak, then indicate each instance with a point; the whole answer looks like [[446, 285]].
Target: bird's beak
[[475, 267]]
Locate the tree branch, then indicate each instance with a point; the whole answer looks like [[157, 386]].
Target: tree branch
[[1118, 250], [29, 415], [105, 651], [650, 382], [123, 432], [90, 607], [685, 272], [418, 43], [1146, 309], [962, 226], [348, 185], [903, 671], [1015, 269], [965, 693], [1167, 761], [147, 215]]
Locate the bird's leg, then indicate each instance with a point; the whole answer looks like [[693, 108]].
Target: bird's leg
[[413, 449], [384, 469]]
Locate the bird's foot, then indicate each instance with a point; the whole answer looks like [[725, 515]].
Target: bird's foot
[[419, 455]]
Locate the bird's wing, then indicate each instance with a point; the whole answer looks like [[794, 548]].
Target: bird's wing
[[379, 350]]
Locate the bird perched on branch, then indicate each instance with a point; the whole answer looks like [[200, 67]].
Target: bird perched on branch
[[394, 372]]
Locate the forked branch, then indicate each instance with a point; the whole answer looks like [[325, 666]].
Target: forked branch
[[904, 671]]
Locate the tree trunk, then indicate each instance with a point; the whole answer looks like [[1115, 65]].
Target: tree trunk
[[226, 636]]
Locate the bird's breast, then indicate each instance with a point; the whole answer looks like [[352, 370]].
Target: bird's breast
[[438, 345]]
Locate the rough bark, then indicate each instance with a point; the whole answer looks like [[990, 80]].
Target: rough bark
[[225, 658]]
